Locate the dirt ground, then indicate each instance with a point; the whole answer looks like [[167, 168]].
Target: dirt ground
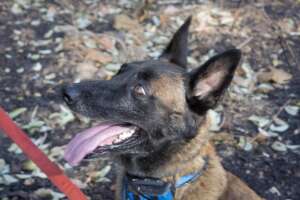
[[47, 43]]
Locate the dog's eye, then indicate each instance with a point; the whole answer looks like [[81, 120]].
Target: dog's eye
[[139, 90]]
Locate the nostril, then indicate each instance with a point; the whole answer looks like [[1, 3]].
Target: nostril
[[70, 95]]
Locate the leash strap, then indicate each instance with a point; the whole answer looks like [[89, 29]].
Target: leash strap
[[53, 172]]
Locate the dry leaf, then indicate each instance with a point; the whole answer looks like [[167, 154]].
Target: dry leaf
[[292, 110], [97, 56], [279, 146], [259, 121], [15, 113], [215, 119], [275, 75], [106, 42], [280, 76], [279, 125], [86, 70], [125, 22]]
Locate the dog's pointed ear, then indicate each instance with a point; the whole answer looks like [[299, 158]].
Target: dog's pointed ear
[[207, 83], [177, 50]]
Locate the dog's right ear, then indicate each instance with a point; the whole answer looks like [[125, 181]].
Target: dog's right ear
[[177, 50]]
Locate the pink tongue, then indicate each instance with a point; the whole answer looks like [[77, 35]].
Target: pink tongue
[[87, 141]]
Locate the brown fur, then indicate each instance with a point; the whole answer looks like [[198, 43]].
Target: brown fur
[[214, 184], [171, 91]]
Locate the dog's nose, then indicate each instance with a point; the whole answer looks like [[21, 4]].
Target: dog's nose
[[70, 94]]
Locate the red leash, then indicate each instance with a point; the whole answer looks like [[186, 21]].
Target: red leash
[[54, 173]]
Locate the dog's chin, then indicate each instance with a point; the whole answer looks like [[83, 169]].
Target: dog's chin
[[105, 139]]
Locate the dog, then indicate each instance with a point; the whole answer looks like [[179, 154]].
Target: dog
[[156, 128]]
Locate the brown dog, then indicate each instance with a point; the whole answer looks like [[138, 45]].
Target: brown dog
[[156, 126]]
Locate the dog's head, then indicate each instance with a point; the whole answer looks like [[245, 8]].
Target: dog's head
[[149, 105]]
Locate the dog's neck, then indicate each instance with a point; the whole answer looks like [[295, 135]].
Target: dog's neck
[[188, 158]]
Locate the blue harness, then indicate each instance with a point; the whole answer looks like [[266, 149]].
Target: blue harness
[[141, 188]]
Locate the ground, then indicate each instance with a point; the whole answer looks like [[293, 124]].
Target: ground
[[45, 44]]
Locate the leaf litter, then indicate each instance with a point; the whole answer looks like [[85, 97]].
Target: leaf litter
[[80, 42]]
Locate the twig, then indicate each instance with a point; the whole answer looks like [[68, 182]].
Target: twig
[[283, 43], [236, 14], [240, 46], [274, 117]]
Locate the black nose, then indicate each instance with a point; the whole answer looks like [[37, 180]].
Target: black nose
[[71, 94]]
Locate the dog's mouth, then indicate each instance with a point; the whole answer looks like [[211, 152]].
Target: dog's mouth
[[106, 136]]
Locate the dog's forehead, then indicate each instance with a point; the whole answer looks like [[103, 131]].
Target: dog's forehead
[[158, 67]]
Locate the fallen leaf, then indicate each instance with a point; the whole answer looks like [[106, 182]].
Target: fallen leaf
[[90, 43], [279, 146], [274, 75], [113, 67], [280, 76], [15, 113], [33, 125], [264, 88], [23, 176], [259, 121], [14, 149], [4, 168], [45, 193], [292, 110], [274, 190], [215, 119], [56, 152], [101, 175], [97, 56], [106, 42], [126, 23], [83, 21], [63, 117], [86, 70], [28, 165], [245, 143], [7, 179], [279, 125]]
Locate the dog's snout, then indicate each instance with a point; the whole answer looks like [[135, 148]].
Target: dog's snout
[[70, 94]]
